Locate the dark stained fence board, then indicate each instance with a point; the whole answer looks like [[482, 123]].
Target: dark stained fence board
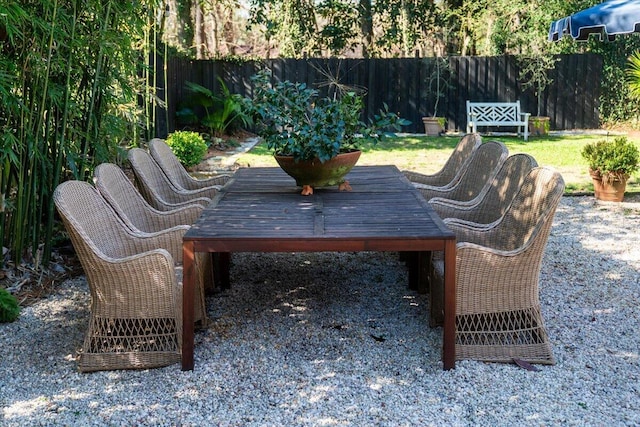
[[572, 100]]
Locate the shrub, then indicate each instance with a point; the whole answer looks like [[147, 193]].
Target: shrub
[[9, 308], [189, 147], [615, 159]]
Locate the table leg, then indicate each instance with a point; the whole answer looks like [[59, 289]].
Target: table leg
[[411, 260], [188, 289], [449, 327], [221, 269]]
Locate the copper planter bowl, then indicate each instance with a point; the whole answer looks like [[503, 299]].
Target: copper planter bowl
[[317, 174]]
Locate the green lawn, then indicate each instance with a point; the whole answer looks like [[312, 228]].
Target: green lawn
[[428, 154]]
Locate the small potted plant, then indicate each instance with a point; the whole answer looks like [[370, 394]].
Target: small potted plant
[[610, 165], [315, 139], [437, 84]]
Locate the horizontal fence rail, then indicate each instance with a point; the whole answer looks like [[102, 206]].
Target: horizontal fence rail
[[405, 85]]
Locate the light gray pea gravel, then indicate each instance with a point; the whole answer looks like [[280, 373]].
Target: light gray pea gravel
[[338, 340]]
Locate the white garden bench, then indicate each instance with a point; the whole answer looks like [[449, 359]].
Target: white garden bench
[[497, 114]]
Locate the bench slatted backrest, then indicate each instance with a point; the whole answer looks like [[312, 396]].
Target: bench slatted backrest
[[494, 113]]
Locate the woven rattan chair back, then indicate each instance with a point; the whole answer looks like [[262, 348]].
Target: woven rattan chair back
[[114, 185], [495, 198], [454, 165], [177, 174], [155, 186], [530, 212], [478, 173], [135, 316]]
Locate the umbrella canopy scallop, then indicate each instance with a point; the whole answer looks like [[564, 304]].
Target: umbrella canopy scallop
[[607, 20]]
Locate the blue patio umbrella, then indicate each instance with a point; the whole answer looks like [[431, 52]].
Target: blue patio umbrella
[[608, 19]]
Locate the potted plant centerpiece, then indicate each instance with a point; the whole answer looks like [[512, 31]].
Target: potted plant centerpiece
[[315, 139], [610, 165]]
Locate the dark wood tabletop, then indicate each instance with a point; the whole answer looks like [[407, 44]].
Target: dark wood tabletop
[[262, 210]]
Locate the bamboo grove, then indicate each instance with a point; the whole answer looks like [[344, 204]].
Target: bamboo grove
[[71, 73]]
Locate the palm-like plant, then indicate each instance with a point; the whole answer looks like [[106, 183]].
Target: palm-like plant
[[633, 74]]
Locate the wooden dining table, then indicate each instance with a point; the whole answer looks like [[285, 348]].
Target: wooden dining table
[[262, 210]]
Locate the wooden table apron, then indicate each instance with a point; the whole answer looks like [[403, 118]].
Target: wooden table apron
[[261, 210]]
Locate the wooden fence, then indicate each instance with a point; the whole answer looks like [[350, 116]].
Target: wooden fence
[[571, 101]]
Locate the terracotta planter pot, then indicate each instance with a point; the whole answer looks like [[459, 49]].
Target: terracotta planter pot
[[317, 174], [433, 126], [539, 125], [611, 191]]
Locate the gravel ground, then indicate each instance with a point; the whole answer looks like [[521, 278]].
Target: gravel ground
[[337, 339]]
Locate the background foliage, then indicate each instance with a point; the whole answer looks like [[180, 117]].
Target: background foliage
[[70, 75]]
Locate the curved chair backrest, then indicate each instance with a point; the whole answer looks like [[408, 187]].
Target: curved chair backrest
[[495, 198], [531, 212], [93, 225], [453, 167], [154, 184], [478, 172], [176, 173], [114, 185], [169, 163]]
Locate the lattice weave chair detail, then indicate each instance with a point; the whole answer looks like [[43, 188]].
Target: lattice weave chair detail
[[177, 174], [498, 315], [136, 300], [450, 172]]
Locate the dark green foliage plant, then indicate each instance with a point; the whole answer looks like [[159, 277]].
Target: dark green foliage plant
[[224, 113], [614, 160], [294, 120], [9, 308], [189, 147]]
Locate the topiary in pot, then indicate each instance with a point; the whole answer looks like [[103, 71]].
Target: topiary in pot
[[610, 165], [9, 308], [189, 147]]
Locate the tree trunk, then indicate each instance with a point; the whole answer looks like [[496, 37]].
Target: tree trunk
[[366, 27]]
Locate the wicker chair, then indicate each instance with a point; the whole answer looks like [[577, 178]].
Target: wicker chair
[[134, 210], [494, 199], [477, 174], [176, 173], [498, 315], [139, 216], [156, 187], [136, 299], [455, 164]]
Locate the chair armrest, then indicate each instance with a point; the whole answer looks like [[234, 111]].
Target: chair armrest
[[220, 180], [183, 215], [169, 240], [467, 231], [455, 204], [208, 192], [181, 199]]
